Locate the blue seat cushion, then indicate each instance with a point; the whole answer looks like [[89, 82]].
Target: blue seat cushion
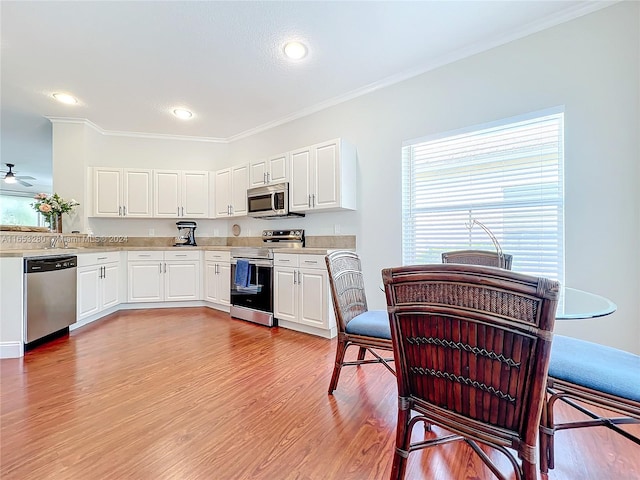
[[597, 367], [374, 323]]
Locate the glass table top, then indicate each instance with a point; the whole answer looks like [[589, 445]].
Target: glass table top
[[577, 304]]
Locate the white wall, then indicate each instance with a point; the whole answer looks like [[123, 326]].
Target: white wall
[[589, 65]]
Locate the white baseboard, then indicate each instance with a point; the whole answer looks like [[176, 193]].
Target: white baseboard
[[298, 327], [11, 349]]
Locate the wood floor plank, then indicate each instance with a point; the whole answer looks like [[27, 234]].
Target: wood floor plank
[[193, 394]]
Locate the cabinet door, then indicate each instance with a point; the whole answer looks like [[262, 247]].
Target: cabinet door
[[182, 280], [300, 186], [88, 291], [278, 170], [137, 196], [258, 173], [326, 186], [284, 288], [222, 193], [210, 282], [107, 187], [312, 288], [146, 281], [239, 184], [224, 283], [110, 285], [166, 193], [195, 195]]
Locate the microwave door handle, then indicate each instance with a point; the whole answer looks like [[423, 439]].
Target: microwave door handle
[[273, 202]]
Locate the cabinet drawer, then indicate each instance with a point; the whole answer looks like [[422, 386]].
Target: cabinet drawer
[[85, 259], [285, 260], [311, 261], [145, 255], [182, 255], [217, 256]]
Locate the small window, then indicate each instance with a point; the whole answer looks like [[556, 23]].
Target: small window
[[507, 176], [17, 210]]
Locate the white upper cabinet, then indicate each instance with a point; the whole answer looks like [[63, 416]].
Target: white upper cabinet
[[323, 177], [122, 192], [181, 193], [271, 170], [230, 191]]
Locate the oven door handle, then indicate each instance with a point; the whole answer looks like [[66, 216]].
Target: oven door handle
[[257, 263]]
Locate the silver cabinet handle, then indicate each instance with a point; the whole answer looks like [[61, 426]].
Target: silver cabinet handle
[[124, 210], [165, 267], [309, 202], [183, 211], [299, 278], [264, 178], [178, 211], [119, 211], [100, 274], [268, 177], [104, 272], [143, 255], [284, 260], [295, 277], [160, 265], [313, 200], [101, 258]]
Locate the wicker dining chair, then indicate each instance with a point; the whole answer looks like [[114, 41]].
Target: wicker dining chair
[[594, 375], [357, 325], [478, 257], [472, 346]]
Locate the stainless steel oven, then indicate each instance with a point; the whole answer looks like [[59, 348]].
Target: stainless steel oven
[[253, 300], [252, 289]]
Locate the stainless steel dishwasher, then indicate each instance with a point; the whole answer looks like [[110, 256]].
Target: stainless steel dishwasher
[[50, 296]]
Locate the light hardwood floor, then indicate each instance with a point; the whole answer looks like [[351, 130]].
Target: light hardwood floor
[[194, 394]]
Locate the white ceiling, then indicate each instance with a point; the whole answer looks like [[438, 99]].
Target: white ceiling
[[130, 63]]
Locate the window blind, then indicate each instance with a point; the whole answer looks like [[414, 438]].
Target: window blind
[[508, 176]]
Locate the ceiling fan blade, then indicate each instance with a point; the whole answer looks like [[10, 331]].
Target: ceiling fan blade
[[25, 177], [23, 183]]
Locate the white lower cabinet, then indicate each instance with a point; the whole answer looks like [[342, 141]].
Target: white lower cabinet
[[217, 277], [98, 283], [155, 276], [301, 288]]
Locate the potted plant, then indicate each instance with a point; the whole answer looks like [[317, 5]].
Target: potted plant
[[51, 207]]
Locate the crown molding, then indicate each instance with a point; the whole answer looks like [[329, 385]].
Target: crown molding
[[115, 133]]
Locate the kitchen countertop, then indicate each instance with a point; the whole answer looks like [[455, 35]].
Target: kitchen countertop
[[45, 252]]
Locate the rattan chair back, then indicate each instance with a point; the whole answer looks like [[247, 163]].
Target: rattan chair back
[[347, 286], [478, 257], [472, 346]]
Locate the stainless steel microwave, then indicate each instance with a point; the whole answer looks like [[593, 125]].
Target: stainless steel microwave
[[270, 201]]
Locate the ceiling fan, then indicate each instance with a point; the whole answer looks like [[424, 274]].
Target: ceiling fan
[[11, 177]]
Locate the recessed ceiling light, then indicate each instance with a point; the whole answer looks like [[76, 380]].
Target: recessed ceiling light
[[65, 98], [182, 113], [295, 50]]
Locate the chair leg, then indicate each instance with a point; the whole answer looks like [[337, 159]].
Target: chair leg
[[361, 353], [340, 351], [529, 471], [403, 438], [544, 437]]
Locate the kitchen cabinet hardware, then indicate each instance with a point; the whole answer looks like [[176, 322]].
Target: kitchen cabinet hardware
[[101, 258]]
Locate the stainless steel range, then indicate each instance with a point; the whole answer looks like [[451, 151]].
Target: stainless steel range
[[252, 276]]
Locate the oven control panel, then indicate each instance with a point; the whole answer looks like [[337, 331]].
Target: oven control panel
[[287, 236]]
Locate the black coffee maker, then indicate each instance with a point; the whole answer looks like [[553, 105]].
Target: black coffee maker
[[186, 234]]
